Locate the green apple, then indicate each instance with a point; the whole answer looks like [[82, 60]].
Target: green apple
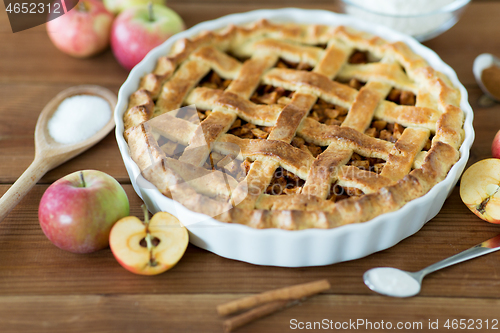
[[117, 6]]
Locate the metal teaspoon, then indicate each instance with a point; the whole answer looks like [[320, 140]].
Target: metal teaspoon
[[398, 283]]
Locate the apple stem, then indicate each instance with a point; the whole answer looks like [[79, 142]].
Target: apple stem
[[150, 11], [146, 214], [81, 6], [83, 179]]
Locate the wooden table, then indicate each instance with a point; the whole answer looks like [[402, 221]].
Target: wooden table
[[44, 289]]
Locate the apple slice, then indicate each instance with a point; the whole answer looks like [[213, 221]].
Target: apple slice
[[149, 247], [480, 189]]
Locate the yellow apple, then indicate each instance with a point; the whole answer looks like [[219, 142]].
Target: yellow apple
[[149, 247], [479, 189]]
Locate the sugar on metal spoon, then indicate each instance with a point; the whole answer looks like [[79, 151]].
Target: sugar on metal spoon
[[398, 283], [48, 152]]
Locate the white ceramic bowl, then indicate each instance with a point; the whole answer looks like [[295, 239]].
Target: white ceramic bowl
[[422, 25], [310, 247]]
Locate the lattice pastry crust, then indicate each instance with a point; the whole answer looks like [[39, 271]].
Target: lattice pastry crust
[[285, 132]]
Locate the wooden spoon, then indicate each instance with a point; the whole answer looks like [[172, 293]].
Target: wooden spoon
[[50, 153]]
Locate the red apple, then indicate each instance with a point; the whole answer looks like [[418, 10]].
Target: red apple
[[139, 29], [77, 212], [480, 189], [149, 247], [83, 31], [495, 146]]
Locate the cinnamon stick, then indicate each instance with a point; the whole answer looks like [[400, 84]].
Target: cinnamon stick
[[283, 294], [256, 313]]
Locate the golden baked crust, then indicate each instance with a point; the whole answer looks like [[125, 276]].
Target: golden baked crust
[[286, 134]]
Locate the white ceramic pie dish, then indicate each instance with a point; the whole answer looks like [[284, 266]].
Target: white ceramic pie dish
[[311, 247]]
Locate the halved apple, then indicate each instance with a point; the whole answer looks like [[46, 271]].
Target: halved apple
[[480, 189], [149, 247]]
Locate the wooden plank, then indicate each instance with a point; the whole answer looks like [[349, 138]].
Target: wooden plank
[[18, 63], [196, 313], [31, 265], [18, 152], [30, 57]]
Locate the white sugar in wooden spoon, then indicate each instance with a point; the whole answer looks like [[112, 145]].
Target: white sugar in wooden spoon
[[50, 153]]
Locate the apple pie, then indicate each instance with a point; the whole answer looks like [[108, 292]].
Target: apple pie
[[293, 126]]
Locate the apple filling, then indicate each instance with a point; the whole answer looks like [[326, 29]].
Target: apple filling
[[245, 130], [358, 57], [328, 113], [300, 66], [170, 148], [213, 81], [338, 193], [383, 130], [268, 94], [401, 97], [227, 164], [356, 84], [367, 163], [284, 183], [308, 147]]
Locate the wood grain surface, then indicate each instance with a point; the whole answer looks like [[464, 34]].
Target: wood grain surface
[[44, 289]]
